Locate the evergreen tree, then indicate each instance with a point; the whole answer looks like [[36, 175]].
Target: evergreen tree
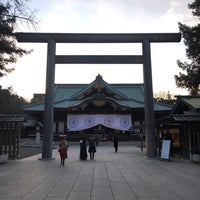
[[10, 103], [190, 78], [12, 12]]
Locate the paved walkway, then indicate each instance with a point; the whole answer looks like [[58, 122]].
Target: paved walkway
[[125, 175]]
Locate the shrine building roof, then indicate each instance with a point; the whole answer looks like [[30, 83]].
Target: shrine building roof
[[124, 95]]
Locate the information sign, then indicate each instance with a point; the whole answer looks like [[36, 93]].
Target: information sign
[[165, 149]]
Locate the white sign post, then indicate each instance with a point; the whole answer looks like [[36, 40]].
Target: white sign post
[[165, 149]]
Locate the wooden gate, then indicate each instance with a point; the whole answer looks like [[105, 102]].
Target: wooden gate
[[9, 138]]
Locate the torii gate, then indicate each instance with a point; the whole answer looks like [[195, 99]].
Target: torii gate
[[52, 59]]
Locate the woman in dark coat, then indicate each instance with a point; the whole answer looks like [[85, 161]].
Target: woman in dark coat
[[92, 149], [83, 149]]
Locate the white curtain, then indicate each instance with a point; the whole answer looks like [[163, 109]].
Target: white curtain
[[114, 121]]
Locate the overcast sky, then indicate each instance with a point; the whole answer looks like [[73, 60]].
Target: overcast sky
[[103, 16]]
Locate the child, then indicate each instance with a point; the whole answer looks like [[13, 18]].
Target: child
[[63, 151]]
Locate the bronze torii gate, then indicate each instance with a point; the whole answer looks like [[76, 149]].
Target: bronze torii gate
[[52, 59]]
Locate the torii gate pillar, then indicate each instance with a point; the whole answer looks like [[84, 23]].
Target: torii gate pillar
[[49, 101], [151, 151]]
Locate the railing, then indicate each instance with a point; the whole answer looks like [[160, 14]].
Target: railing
[[9, 139]]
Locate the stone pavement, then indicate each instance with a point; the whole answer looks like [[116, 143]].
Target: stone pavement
[[125, 175]]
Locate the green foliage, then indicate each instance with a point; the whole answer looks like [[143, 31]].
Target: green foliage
[[189, 78], [11, 12], [195, 6], [10, 103]]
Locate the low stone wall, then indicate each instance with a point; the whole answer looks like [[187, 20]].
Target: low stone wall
[[196, 158], [3, 158]]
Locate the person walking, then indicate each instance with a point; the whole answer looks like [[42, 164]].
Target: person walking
[[92, 149], [83, 149], [97, 140], [63, 151], [115, 142]]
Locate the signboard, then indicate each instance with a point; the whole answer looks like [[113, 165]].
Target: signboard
[[165, 149]]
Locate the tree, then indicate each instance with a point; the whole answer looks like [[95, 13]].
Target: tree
[[190, 77], [165, 97], [10, 103], [12, 12]]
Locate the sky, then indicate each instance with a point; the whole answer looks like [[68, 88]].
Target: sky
[[102, 16]]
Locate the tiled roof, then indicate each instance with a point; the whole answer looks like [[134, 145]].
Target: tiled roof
[[34, 107], [12, 118], [66, 95], [193, 101], [186, 117], [99, 82]]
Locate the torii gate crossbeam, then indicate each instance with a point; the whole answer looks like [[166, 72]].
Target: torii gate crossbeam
[[145, 38]]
